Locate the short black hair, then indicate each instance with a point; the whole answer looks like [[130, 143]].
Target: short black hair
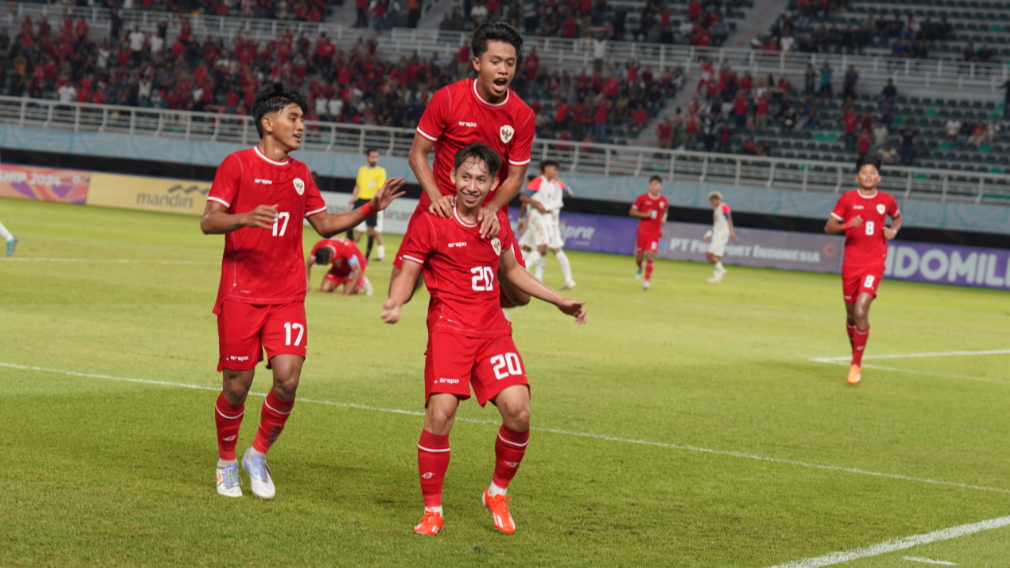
[[480, 152], [324, 255], [370, 150], [495, 31], [655, 178], [273, 97], [868, 159], [545, 163]]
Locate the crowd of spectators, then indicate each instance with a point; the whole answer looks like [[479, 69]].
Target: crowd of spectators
[[154, 70], [906, 36], [697, 22]]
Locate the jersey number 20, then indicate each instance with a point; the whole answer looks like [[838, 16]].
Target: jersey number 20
[[483, 278], [505, 365]]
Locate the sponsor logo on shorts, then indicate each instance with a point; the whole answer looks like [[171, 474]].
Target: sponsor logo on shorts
[[238, 358], [449, 381]]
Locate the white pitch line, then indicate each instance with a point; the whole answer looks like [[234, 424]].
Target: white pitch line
[[930, 561], [728, 453], [896, 545], [914, 355], [108, 260], [895, 369]]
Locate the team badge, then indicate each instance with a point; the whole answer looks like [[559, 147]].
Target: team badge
[[506, 133], [496, 245], [299, 186], [881, 208]]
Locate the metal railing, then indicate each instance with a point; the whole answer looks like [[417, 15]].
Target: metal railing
[[973, 79], [576, 157]]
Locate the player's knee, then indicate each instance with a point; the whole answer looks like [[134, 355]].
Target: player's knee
[[440, 417]]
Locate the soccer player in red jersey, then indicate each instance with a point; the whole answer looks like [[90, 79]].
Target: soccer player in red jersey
[[862, 215], [476, 110], [348, 266], [651, 210], [258, 200], [469, 337]]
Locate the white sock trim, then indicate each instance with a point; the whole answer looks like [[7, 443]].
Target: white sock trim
[[495, 491]]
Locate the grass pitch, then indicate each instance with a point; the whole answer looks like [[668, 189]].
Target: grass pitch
[[99, 471]]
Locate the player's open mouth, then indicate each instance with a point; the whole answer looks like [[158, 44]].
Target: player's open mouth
[[470, 198], [500, 85]]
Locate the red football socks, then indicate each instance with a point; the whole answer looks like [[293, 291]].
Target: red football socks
[[228, 418], [432, 461], [648, 270], [509, 448], [274, 415], [851, 330], [859, 338]]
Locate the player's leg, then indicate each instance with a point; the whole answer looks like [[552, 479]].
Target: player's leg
[[639, 253], [717, 269], [541, 262], [370, 229], [380, 244], [330, 282], [239, 327], [447, 367], [566, 268], [285, 338], [11, 239], [650, 256], [500, 377], [861, 313]]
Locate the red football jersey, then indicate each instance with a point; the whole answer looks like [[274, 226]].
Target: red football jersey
[[264, 266], [865, 244], [345, 255], [457, 116], [460, 271], [646, 203]]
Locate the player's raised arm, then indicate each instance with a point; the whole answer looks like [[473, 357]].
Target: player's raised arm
[[400, 291], [217, 221], [329, 224], [441, 205], [527, 282]]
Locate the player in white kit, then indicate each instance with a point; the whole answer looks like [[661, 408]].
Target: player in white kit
[[544, 199], [721, 233]]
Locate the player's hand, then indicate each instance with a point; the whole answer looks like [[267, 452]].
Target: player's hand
[[264, 217], [857, 221], [541, 207], [350, 206], [708, 235], [390, 311], [734, 237], [575, 308], [387, 193], [443, 206], [890, 233], [488, 219]]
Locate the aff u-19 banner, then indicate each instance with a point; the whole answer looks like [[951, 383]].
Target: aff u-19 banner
[[44, 184]]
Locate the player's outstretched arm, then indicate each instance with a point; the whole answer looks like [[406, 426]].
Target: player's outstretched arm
[[400, 291], [417, 159], [525, 281], [329, 224], [217, 221]]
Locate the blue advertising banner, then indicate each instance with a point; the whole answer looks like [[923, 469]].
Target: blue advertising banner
[[917, 262]]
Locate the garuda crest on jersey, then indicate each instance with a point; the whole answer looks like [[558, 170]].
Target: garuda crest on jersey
[[496, 245], [506, 133], [299, 186], [881, 208]]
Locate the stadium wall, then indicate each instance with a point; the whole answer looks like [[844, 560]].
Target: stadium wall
[[760, 200]]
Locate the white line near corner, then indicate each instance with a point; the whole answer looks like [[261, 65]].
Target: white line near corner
[[109, 260], [726, 453], [929, 561], [896, 545], [914, 355]]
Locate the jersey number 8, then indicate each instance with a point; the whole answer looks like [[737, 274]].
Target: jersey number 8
[[869, 227], [505, 365], [483, 278]]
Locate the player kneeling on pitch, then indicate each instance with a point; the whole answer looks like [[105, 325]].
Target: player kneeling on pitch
[[469, 337], [347, 267]]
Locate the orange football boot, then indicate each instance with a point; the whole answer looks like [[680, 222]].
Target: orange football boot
[[498, 505], [430, 524], [855, 373]]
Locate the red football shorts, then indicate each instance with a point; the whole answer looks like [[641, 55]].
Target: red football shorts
[[453, 362], [244, 330], [859, 279], [339, 278], [647, 241]]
